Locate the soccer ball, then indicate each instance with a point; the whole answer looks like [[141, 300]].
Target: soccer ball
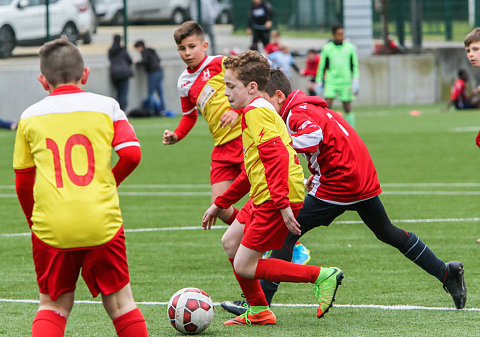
[[190, 310]]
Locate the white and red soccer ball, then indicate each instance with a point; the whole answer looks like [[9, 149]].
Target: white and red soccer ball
[[190, 310]]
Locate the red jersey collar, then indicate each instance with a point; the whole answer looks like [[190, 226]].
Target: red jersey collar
[[191, 71], [66, 89]]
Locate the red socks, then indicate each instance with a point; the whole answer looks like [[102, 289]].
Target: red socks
[[276, 270], [131, 324], [251, 289], [48, 323]]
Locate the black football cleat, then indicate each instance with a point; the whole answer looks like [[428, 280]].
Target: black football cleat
[[235, 307], [455, 283]]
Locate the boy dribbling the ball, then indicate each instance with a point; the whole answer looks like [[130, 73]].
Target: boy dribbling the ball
[[274, 176], [68, 192]]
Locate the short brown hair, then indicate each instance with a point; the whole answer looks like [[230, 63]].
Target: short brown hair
[[278, 81], [250, 66], [187, 29], [473, 36], [61, 62]]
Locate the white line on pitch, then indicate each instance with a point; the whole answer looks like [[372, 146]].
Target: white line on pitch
[[431, 184], [431, 192], [189, 228], [163, 194], [466, 129], [170, 186], [198, 194], [183, 186], [360, 306]]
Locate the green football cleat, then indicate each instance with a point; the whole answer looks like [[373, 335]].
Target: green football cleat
[[326, 287]]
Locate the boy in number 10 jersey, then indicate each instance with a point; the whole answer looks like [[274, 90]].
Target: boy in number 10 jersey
[[68, 192]]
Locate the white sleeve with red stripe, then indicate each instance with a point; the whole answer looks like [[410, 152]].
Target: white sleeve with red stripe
[[123, 133], [306, 134]]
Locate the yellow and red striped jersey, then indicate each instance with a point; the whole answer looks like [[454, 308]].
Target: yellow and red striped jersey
[[68, 136], [261, 126], [203, 88]]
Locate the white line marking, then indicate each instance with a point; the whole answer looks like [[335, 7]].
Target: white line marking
[[183, 186], [172, 186], [189, 228], [362, 306], [165, 194], [431, 193], [431, 184], [466, 129], [201, 194], [163, 229]]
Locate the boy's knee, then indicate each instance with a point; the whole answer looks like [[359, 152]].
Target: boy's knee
[[230, 245], [243, 269]]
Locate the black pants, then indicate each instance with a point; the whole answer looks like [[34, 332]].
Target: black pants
[[319, 213], [316, 213], [121, 87], [262, 35]]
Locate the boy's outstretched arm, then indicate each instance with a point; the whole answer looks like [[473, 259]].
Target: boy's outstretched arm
[[237, 190], [186, 124]]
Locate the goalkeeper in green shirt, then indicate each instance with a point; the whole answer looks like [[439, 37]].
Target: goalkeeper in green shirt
[[338, 73]]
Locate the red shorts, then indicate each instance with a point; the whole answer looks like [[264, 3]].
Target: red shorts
[[227, 161], [265, 228], [244, 213], [104, 268]]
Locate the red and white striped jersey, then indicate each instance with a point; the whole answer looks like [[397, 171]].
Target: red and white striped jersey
[[203, 88], [337, 157]]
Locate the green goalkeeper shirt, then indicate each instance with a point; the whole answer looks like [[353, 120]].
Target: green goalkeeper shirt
[[340, 64]]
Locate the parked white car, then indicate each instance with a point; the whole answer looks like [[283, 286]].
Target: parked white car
[[224, 14], [87, 20], [173, 11], [109, 11], [23, 23]]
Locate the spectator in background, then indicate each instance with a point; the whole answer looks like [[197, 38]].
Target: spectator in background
[[209, 16], [283, 59], [151, 61], [275, 44], [458, 95], [7, 125], [311, 67], [260, 23], [120, 70]]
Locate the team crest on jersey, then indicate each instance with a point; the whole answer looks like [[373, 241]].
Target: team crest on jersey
[[206, 75]]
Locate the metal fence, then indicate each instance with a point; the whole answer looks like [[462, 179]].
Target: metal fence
[[294, 14], [447, 19]]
